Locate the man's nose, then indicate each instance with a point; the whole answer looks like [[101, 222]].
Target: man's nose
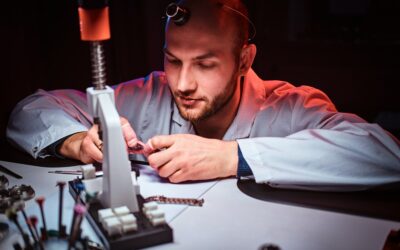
[[186, 81]]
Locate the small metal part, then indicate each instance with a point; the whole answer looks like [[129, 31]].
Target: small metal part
[[93, 245], [24, 192], [178, 14], [8, 197], [72, 172], [182, 201], [137, 147]]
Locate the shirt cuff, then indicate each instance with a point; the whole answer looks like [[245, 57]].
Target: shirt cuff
[[54, 148], [243, 167]]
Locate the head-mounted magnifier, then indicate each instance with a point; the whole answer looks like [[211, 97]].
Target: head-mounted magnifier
[[178, 14]]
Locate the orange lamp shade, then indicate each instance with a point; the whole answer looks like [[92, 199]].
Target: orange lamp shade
[[94, 24]]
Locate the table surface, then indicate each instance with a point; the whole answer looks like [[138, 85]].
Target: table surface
[[228, 219]]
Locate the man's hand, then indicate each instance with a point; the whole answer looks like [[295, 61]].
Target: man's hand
[[185, 157], [83, 146], [86, 146]]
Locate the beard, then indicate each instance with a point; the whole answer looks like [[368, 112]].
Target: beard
[[211, 107]]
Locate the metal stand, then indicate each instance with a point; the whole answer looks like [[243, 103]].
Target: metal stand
[[117, 183]]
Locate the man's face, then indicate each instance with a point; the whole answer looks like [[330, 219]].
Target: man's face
[[201, 69]]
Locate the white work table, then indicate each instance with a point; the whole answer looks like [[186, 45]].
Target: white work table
[[228, 219]]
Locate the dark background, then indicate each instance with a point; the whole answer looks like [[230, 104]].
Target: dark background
[[350, 49]]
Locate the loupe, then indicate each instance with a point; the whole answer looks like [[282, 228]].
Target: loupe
[[179, 15]]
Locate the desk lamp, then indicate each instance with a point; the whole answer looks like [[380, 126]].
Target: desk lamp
[[94, 27]]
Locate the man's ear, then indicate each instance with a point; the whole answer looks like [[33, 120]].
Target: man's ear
[[247, 56]]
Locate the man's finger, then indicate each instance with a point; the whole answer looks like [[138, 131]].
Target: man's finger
[[91, 150], [168, 169], [178, 176], [128, 132], [87, 159], [160, 158], [93, 134], [162, 141]]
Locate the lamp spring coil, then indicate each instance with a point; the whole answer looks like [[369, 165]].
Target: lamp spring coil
[[98, 65]]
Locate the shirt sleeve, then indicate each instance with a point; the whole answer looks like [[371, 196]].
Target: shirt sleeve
[[54, 148], [326, 150], [42, 119], [46, 117]]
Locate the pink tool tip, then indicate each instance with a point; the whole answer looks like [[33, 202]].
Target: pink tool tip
[[61, 183], [79, 209], [33, 220], [40, 200]]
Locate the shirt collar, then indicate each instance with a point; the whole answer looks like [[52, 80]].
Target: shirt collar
[[184, 126], [250, 102]]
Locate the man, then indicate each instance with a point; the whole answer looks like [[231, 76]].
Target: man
[[210, 116]]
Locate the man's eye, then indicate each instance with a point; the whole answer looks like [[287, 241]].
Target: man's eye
[[206, 65], [173, 61]]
